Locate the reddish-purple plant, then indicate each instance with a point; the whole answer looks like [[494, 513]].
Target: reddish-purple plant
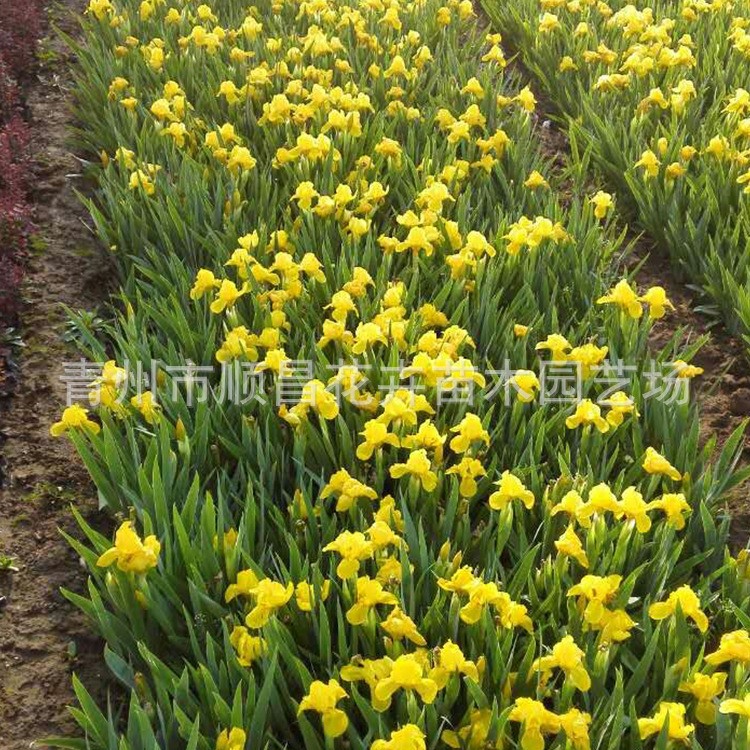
[[18, 34], [19, 31]]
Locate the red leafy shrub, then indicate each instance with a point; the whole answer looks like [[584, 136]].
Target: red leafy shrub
[[18, 32]]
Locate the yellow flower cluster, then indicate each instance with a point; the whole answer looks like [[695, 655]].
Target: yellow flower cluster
[[659, 94], [347, 198]]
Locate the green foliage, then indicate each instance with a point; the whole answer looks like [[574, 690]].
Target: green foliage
[[219, 495]]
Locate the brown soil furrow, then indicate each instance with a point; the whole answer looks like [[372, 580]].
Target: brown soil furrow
[[43, 638], [723, 391]]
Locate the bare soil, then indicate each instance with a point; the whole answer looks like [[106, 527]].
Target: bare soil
[[723, 391], [43, 638]]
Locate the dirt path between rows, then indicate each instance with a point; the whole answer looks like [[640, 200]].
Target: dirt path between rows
[[723, 391], [43, 638]]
